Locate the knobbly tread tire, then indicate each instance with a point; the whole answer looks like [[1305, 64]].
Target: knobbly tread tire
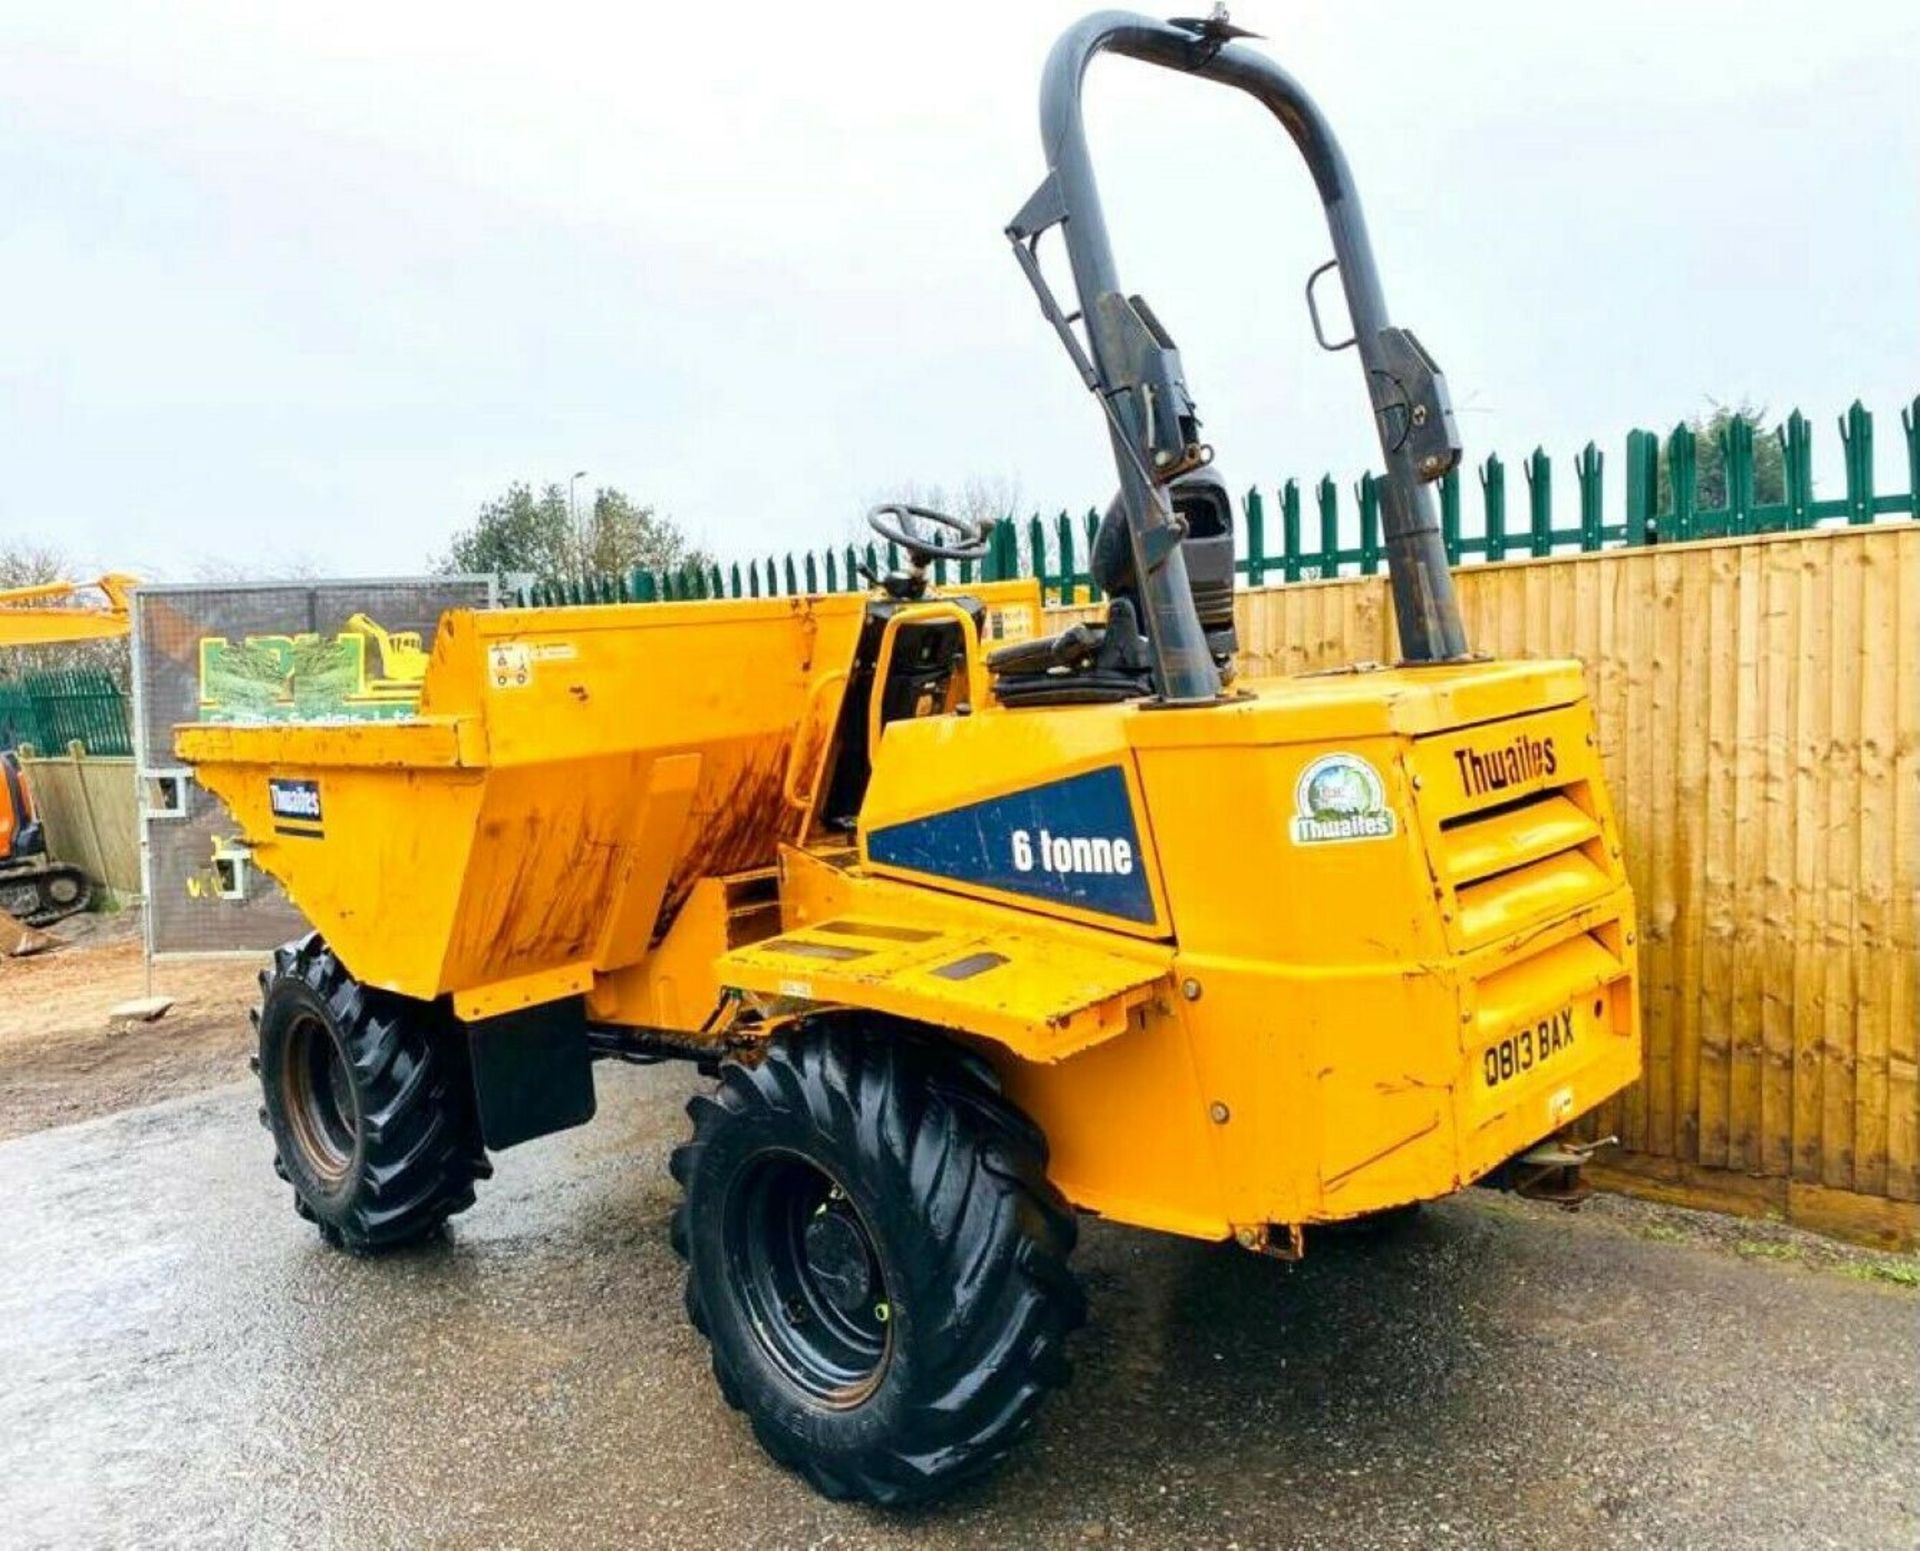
[[973, 1241], [416, 1145]]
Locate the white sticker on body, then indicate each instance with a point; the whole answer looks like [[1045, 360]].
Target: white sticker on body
[[510, 664]]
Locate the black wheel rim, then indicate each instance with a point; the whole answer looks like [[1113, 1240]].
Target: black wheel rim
[[319, 1099], [803, 1262]]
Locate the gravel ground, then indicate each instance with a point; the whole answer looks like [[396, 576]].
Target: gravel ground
[[62, 1059], [183, 1363]]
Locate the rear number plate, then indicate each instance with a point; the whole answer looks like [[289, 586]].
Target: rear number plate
[[1526, 1048]]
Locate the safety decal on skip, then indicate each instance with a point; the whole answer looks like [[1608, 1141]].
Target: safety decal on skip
[[510, 663], [1340, 797]]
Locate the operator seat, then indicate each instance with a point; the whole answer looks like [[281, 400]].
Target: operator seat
[[1088, 664]]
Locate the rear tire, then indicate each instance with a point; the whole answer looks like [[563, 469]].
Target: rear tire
[[369, 1103], [876, 1259]]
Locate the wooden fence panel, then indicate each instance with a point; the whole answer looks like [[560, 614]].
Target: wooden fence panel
[[90, 809], [1759, 711], [1758, 701]]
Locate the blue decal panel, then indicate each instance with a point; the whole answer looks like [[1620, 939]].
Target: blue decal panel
[[1073, 842]]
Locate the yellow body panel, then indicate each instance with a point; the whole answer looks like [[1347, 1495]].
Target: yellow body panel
[[1044, 989], [1340, 942]]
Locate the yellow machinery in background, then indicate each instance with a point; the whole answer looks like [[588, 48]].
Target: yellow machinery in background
[[46, 615], [33, 887], [403, 664], [973, 930]]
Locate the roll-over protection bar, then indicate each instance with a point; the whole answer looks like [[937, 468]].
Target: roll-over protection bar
[[1135, 370]]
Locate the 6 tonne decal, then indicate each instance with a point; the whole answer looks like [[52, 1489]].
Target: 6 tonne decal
[[1069, 854], [1073, 842]]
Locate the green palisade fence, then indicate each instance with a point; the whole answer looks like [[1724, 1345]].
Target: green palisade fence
[[1056, 551], [56, 707]]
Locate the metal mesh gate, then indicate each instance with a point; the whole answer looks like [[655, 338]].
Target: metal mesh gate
[[305, 651]]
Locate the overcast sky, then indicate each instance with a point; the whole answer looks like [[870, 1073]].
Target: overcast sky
[[312, 281]]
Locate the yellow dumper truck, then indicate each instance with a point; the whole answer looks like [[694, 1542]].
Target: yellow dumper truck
[[974, 929]]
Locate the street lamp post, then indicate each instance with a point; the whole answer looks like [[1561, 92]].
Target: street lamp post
[[573, 516]]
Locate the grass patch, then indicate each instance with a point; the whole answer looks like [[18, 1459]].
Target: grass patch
[[1901, 1273]]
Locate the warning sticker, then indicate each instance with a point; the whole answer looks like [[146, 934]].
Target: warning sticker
[[1011, 623], [510, 663]]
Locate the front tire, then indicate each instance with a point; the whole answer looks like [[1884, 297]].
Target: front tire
[[369, 1103], [876, 1259]]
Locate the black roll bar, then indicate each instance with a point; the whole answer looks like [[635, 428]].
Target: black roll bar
[[1135, 370]]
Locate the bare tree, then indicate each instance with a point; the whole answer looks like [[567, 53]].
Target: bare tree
[[292, 568]]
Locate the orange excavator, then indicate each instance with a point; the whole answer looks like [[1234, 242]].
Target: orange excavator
[[33, 887]]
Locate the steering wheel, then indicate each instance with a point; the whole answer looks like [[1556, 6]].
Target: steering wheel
[[891, 522]]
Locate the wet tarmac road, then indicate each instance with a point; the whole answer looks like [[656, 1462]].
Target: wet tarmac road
[[183, 1363]]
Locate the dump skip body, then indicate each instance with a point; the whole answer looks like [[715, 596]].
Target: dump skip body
[[571, 775]]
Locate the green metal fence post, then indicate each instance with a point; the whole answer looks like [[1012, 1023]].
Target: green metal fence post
[[1450, 514], [1856, 437], [1329, 496], [1683, 485], [1493, 496], [1587, 470], [813, 575], [1003, 559], [1643, 485], [1736, 456], [1539, 472], [1910, 423], [1796, 459], [1064, 530], [1092, 524], [1367, 492], [1290, 530], [1256, 523], [1037, 552]]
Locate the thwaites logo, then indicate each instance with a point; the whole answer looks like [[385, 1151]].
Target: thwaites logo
[[1340, 797], [295, 806], [1525, 759]]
